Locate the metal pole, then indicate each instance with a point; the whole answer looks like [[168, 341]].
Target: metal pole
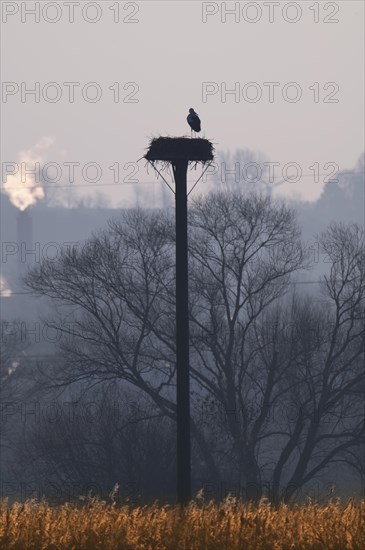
[[180, 169]]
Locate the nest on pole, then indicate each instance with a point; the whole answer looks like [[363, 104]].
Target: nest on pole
[[173, 149]]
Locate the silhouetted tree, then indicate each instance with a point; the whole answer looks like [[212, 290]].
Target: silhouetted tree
[[116, 312]]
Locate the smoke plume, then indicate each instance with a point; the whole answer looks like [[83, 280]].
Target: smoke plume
[[24, 188]]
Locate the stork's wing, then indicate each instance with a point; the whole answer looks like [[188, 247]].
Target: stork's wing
[[197, 124]]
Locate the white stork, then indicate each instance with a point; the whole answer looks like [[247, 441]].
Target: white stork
[[193, 121]]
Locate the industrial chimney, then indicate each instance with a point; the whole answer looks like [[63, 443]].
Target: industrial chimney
[[25, 240]]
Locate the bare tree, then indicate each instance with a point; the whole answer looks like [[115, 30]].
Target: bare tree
[[117, 296], [94, 440], [122, 284], [244, 168], [313, 352], [244, 252]]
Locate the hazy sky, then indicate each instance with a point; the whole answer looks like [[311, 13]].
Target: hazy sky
[[170, 55]]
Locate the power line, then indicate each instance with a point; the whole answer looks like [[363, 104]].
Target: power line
[[124, 183], [279, 283]]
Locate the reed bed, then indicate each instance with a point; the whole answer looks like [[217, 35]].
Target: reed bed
[[228, 526]]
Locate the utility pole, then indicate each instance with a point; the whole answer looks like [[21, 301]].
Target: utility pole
[[179, 152], [180, 169]]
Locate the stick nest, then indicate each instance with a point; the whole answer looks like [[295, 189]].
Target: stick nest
[[172, 149]]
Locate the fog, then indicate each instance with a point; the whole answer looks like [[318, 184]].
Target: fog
[[276, 251]]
